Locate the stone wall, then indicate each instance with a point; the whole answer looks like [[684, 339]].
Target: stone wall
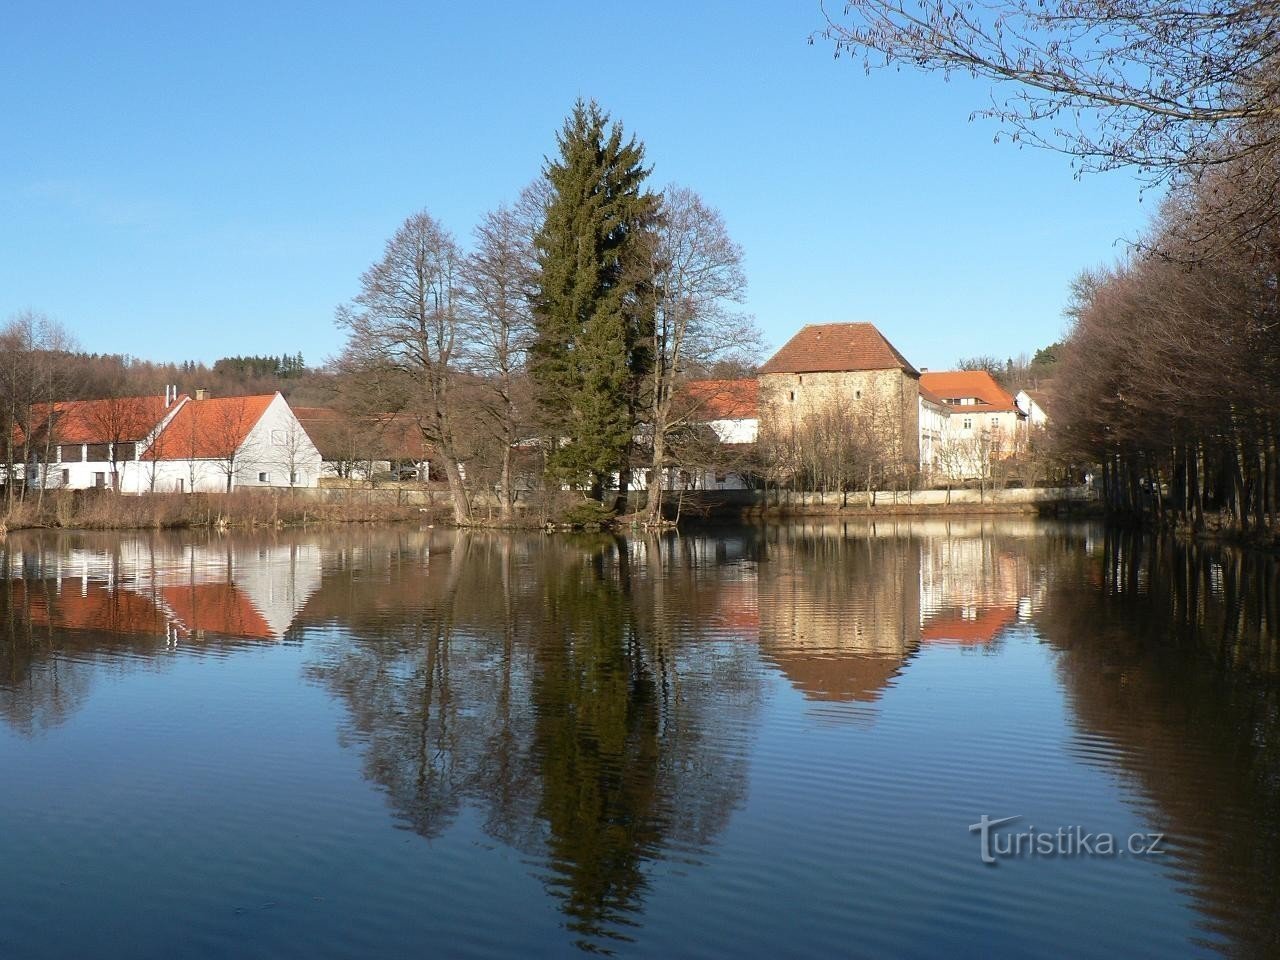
[[889, 397]]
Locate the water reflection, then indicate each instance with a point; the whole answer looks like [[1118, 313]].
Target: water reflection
[[556, 687], [67, 599], [597, 704], [1169, 655]]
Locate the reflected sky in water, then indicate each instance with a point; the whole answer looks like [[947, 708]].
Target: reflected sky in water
[[748, 742]]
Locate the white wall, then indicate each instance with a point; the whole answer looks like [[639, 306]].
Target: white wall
[[276, 442]]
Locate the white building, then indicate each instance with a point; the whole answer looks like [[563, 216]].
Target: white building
[[983, 425], [230, 443], [1034, 404], [730, 410], [935, 418], [171, 443], [79, 444]]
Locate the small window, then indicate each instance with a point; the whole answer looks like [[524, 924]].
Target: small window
[[857, 394], [995, 423], [802, 381], [100, 479], [293, 476], [277, 438], [968, 423], [177, 486], [264, 477], [791, 397], [721, 477], [98, 452], [66, 478]]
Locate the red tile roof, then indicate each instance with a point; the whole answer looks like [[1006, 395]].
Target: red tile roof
[[217, 608], [969, 383], [101, 421], [837, 347], [954, 627], [209, 429], [724, 399]]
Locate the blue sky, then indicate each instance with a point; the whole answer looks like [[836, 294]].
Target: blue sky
[[183, 181]]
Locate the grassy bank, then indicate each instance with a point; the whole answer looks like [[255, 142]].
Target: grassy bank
[[104, 510]]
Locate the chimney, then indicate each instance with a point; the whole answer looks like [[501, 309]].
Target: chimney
[[924, 369], [201, 393]]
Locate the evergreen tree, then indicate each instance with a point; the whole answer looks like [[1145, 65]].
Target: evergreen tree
[[594, 330]]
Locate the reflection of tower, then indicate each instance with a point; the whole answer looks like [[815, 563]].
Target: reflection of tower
[[839, 615]]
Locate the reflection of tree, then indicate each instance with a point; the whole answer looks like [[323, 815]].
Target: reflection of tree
[[531, 680], [597, 742], [1168, 653], [37, 691]]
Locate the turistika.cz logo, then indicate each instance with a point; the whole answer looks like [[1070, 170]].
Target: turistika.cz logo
[[1070, 841]]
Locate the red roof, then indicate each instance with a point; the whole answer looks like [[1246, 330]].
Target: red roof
[[951, 384], [209, 429], [102, 421], [980, 629], [217, 608], [724, 399], [837, 347]]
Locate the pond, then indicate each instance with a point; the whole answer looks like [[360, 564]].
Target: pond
[[780, 741]]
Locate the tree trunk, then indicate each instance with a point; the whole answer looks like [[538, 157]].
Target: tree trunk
[[506, 506], [457, 490], [656, 479]]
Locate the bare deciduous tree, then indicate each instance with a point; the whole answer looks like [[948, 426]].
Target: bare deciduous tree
[[403, 330], [698, 279], [499, 277], [1166, 85]]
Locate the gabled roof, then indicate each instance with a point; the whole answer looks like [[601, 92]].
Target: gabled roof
[[724, 399], [209, 429], [101, 421], [992, 398], [1041, 398], [837, 347], [379, 436]]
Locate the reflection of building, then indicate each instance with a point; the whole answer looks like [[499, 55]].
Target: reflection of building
[[141, 589], [842, 608], [840, 616], [971, 589]]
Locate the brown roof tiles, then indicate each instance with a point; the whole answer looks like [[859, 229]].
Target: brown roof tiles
[[837, 347]]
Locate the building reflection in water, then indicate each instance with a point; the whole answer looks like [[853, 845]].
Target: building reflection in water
[[70, 599], [841, 608], [593, 702]]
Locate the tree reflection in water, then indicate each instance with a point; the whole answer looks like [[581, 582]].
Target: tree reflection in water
[[557, 687], [1169, 654]]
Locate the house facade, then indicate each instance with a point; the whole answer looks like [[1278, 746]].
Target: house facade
[[935, 422], [82, 444], [984, 423], [1035, 404], [730, 411], [849, 375], [170, 444], [228, 443]]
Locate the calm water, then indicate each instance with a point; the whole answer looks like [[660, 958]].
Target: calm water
[[395, 743]]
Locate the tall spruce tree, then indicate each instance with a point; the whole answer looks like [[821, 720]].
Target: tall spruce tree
[[594, 323]]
